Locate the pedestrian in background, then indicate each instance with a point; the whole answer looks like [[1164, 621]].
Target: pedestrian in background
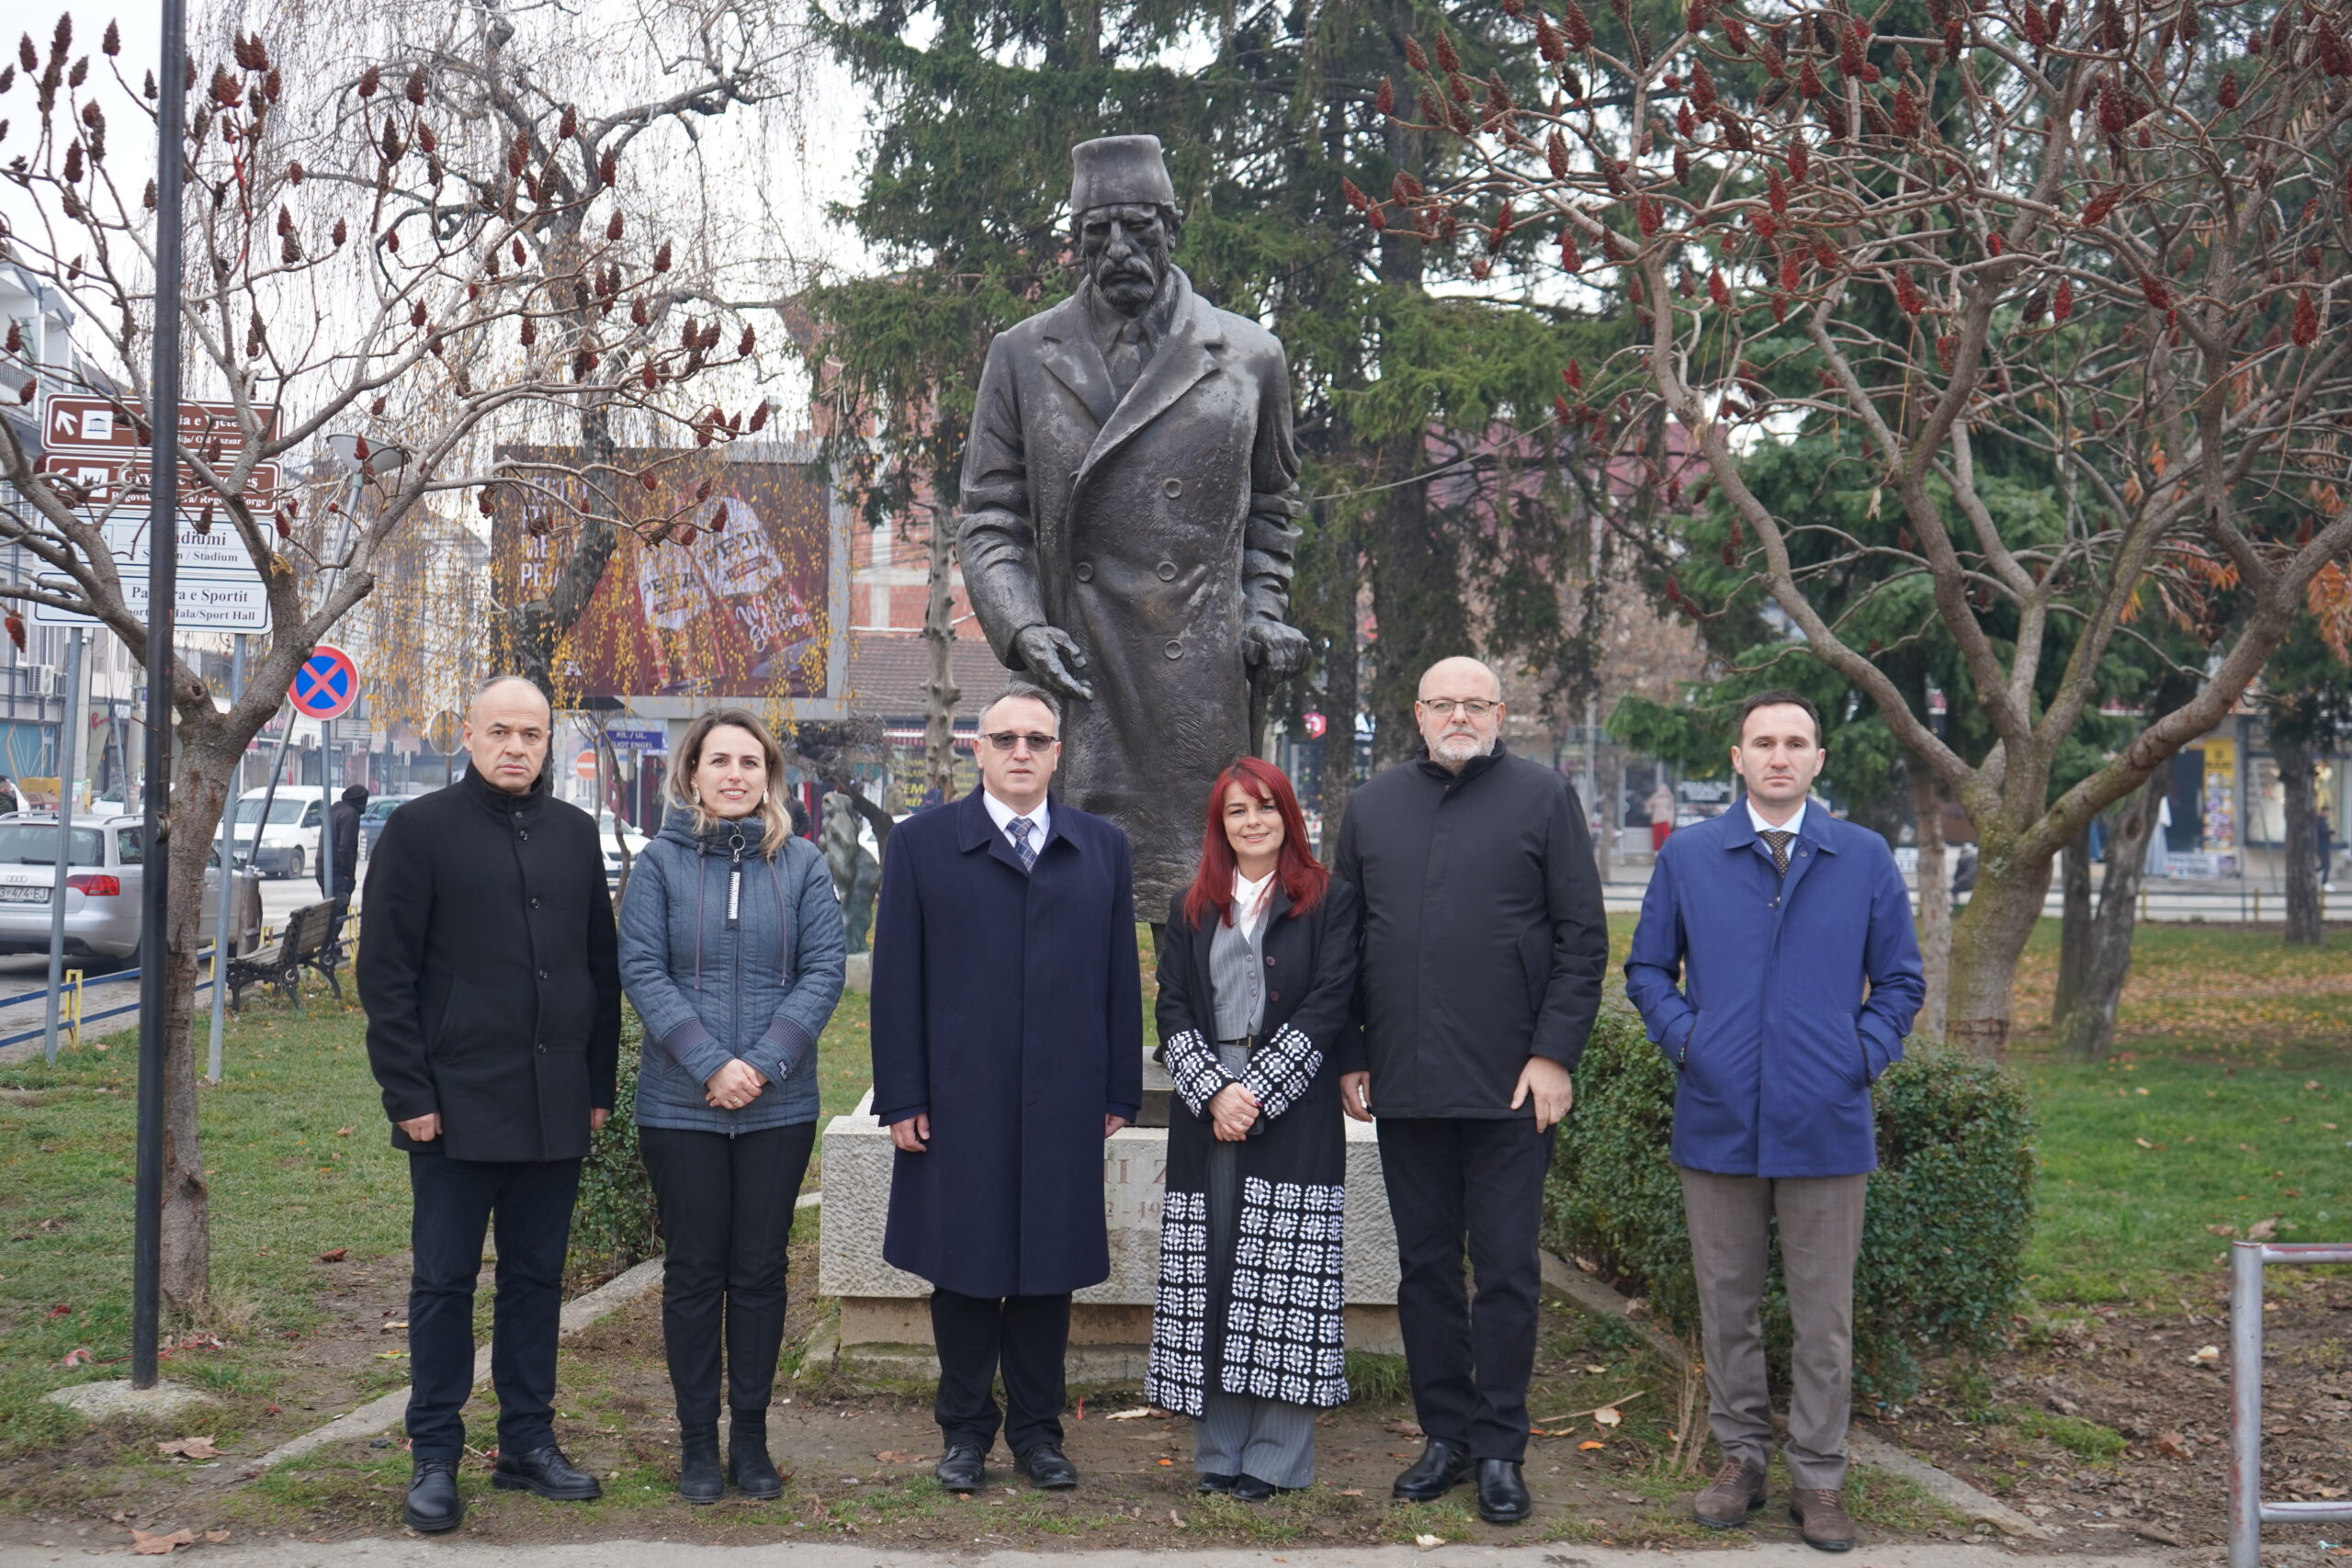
[[1776, 966], [1660, 805], [1484, 943], [493, 996], [733, 955], [1257, 981], [1007, 1044], [341, 835]]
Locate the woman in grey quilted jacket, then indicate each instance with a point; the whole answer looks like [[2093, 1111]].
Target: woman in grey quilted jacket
[[733, 953]]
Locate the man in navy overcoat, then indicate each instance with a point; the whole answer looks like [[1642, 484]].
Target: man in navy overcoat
[[1007, 1043], [1789, 935]]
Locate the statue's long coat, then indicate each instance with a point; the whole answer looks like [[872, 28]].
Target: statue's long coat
[[1151, 529]]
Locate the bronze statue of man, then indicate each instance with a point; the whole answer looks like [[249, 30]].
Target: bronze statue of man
[[1127, 516]]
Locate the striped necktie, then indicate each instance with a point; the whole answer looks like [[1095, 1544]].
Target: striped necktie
[[1020, 827], [1778, 838]]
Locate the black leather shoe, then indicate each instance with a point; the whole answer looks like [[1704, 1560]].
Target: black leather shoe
[[1502, 1492], [1250, 1489], [546, 1472], [1046, 1468], [1438, 1471], [748, 1465], [960, 1467], [1215, 1483], [698, 1478], [433, 1505]]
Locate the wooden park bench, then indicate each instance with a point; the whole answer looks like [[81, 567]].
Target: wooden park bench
[[312, 940]]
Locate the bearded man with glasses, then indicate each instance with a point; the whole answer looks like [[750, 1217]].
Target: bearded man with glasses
[[1483, 948], [1007, 1043]]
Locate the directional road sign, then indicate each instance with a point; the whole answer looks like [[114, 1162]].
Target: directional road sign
[[122, 481], [99, 425], [327, 683], [203, 604]]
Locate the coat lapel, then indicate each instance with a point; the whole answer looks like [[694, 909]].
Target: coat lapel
[[1189, 354], [976, 829], [1072, 359]]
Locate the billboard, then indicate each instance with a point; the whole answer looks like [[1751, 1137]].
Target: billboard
[[725, 590]]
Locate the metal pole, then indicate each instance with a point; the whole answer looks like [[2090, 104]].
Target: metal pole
[[2245, 1405], [68, 731], [221, 923], [1593, 781], [326, 810], [269, 791], [162, 588]]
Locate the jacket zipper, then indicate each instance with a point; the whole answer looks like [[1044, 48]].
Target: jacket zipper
[[735, 952]]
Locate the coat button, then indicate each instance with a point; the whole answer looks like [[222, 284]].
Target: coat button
[[543, 1050], [1275, 997], [543, 974], [535, 903], [1084, 572], [524, 834], [1174, 650], [1171, 489], [1167, 571], [1270, 964]]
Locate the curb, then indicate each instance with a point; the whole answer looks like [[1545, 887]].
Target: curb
[[1865, 1447], [386, 1411]]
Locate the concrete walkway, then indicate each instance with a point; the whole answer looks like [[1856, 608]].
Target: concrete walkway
[[414, 1552]]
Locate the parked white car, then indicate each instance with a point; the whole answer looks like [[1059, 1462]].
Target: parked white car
[[289, 838], [104, 873]]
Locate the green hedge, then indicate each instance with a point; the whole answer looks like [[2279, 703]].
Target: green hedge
[[1950, 1206], [614, 1227]]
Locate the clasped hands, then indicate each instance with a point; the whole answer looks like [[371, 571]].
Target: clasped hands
[[734, 1085], [1233, 1111]]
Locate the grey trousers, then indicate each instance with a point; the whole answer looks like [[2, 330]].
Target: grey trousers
[[1246, 1434], [1821, 1233]]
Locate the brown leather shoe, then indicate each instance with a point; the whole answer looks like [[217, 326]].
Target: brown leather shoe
[[1821, 1518], [1736, 1492]]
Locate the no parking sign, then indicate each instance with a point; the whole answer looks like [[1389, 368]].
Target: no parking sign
[[326, 684]]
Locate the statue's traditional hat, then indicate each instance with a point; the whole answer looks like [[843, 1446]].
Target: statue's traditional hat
[[1119, 171]]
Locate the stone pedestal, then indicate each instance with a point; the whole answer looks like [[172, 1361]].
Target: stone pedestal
[[884, 1314]]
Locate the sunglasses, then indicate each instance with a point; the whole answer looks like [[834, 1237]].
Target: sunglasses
[[1005, 740]]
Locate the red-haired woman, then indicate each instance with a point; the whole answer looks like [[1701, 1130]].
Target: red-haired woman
[[1255, 974]]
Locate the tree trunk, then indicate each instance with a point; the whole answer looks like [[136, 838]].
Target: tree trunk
[[1986, 941], [2087, 1030], [2298, 783], [1342, 690], [939, 689], [199, 794], [1934, 900], [2074, 927]]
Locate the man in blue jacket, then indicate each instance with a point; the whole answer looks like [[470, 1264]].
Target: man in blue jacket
[[1774, 918]]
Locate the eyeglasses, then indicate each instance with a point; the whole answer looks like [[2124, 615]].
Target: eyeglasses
[[1005, 740], [1471, 707]]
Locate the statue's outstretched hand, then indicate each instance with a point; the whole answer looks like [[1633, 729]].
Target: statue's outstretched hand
[[1280, 648], [1053, 657]]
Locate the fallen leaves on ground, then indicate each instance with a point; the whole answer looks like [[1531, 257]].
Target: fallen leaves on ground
[[60, 1309], [216, 1537], [189, 1448], [2262, 1230], [1404, 1429], [336, 1256], [1588, 1445], [900, 1456], [77, 1357], [2207, 1355], [1429, 1542], [146, 1545], [2173, 1446], [1607, 1416], [1137, 1414]]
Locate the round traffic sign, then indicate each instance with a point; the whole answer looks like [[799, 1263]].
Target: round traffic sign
[[585, 766], [1314, 724], [326, 684], [443, 733]]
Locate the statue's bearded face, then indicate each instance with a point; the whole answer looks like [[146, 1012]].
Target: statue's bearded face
[[1124, 250]]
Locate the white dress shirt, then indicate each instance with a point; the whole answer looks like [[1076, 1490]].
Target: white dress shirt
[[1756, 817], [1002, 815]]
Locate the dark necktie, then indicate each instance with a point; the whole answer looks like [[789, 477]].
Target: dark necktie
[[1125, 361], [1020, 827], [1778, 838]]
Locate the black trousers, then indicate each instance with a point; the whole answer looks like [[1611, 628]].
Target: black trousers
[[1469, 1360], [455, 1203], [726, 1205], [1028, 1337]]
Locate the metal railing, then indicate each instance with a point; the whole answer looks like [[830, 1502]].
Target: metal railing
[[2248, 1512]]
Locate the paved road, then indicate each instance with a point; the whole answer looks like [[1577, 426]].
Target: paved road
[[457, 1553], [23, 972]]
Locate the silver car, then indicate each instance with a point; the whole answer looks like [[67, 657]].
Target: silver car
[[103, 876]]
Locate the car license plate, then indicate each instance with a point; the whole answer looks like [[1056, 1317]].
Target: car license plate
[[23, 895]]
